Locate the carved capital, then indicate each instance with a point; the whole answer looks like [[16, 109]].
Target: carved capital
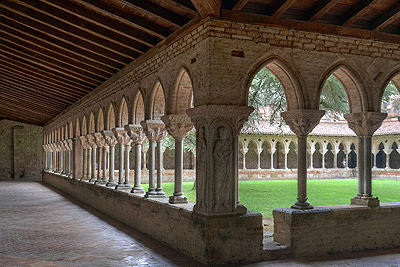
[[303, 121], [122, 136], [100, 141], [65, 145], [364, 124], [109, 137], [91, 141], [154, 129], [84, 142], [178, 125], [45, 148], [70, 144], [136, 132]]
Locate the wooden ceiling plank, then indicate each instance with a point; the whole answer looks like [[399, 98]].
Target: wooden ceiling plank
[[209, 7], [15, 115], [39, 66], [151, 9], [355, 13], [184, 5], [69, 61], [111, 25], [320, 9], [118, 43], [65, 32], [30, 71], [279, 10], [10, 101], [49, 66], [60, 44], [386, 18], [131, 20], [240, 5], [29, 87]]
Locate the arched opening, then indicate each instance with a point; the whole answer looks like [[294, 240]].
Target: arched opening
[[329, 157], [100, 121], [265, 155], [352, 157], [138, 108], [292, 156], [251, 155], [381, 157], [341, 157], [123, 113], [395, 156], [158, 102], [84, 126], [183, 98], [110, 118], [92, 124], [317, 160]]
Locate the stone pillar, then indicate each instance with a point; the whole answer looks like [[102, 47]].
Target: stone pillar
[[311, 151], [137, 135], [66, 149], [155, 131], [259, 151], [77, 158], [244, 152], [217, 146], [101, 144], [144, 150], [387, 151], [272, 152], [375, 153], [124, 142], [111, 141], [85, 146], [335, 153], [179, 127], [287, 150], [364, 124], [160, 167], [324, 151], [58, 162], [46, 157], [347, 152], [92, 142], [302, 122], [70, 149], [62, 157]]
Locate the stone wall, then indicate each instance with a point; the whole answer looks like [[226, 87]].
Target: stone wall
[[20, 150]]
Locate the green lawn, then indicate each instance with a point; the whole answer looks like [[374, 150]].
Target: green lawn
[[264, 196]]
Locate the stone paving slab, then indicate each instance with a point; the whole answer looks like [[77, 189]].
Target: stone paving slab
[[42, 227]]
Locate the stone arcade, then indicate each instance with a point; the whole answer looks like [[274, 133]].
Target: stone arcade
[[199, 77]]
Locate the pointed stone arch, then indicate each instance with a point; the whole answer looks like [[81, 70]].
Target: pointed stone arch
[[285, 74], [110, 123], [84, 126], [100, 120], [157, 101], [181, 97], [123, 113], [351, 83], [77, 128], [92, 125], [138, 108]]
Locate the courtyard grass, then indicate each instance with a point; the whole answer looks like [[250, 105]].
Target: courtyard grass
[[265, 196]]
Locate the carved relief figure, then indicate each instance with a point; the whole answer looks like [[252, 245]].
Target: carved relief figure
[[201, 167], [222, 156]]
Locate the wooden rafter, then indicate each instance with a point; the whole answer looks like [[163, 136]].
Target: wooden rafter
[[239, 5], [208, 7], [386, 18], [320, 9], [281, 7], [357, 12]]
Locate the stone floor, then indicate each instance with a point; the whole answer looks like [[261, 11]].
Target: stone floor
[[39, 226]]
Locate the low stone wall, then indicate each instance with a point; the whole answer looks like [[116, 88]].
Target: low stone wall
[[208, 239], [337, 229]]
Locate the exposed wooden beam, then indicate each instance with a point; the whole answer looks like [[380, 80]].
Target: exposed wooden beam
[[129, 19], [184, 5], [355, 13], [309, 26], [320, 9], [386, 18], [11, 101], [240, 5], [13, 113], [281, 7], [208, 7]]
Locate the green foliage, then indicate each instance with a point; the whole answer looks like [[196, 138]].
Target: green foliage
[[333, 98], [390, 91], [189, 143]]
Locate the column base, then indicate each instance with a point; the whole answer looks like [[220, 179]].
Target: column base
[[152, 194], [302, 205], [100, 182], [178, 199], [365, 201], [93, 180], [160, 192], [111, 184], [137, 190], [85, 179]]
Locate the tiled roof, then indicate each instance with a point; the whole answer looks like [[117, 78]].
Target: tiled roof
[[324, 128]]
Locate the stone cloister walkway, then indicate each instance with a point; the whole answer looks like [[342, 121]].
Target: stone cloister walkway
[[39, 226]]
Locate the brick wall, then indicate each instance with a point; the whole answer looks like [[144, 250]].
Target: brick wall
[[20, 150]]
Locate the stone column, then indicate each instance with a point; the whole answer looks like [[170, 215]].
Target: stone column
[[387, 151], [287, 150], [311, 151], [272, 152], [137, 135], [217, 146], [160, 166], [101, 144], [335, 153], [144, 150], [58, 156], [179, 127], [77, 169], [111, 141], [46, 157], [124, 141], [70, 149], [85, 146], [92, 142], [155, 130], [259, 151], [66, 158], [347, 152], [244, 152], [324, 151], [364, 124], [375, 153], [302, 122]]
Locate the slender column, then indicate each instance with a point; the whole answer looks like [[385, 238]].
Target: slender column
[[375, 153], [244, 152], [45, 157], [155, 130], [346, 152], [77, 158], [92, 142], [272, 152], [259, 151], [144, 150], [364, 124], [302, 122], [179, 127], [70, 149], [324, 150], [101, 143], [106, 148], [58, 149], [311, 152], [287, 150], [111, 141], [361, 167], [85, 146], [89, 163], [160, 167], [124, 142], [217, 136], [335, 153], [61, 146], [387, 151], [137, 135]]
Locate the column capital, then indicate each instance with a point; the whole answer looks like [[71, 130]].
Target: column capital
[[66, 145], [387, 151], [100, 141], [303, 121], [364, 124], [91, 141], [154, 129], [45, 148], [122, 136], [136, 132], [244, 150], [109, 137], [178, 125], [84, 142]]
